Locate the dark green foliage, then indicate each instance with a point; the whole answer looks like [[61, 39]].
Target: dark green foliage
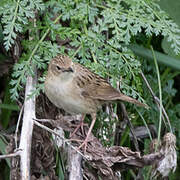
[[98, 31], [16, 14]]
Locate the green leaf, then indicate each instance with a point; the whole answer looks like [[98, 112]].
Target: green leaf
[[161, 58], [3, 149], [7, 107], [173, 9], [12, 107]]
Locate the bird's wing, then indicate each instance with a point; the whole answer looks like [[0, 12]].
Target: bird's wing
[[95, 87]]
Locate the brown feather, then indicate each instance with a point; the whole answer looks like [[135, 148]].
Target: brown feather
[[95, 87]]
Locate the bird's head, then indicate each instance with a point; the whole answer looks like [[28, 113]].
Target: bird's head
[[62, 67]]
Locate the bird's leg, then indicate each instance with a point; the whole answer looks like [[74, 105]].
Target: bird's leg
[[80, 125], [89, 132]]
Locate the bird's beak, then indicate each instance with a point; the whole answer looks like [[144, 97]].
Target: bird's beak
[[68, 70]]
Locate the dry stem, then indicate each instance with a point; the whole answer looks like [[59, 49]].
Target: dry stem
[[27, 129]]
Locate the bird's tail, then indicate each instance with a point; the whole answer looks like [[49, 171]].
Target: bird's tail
[[125, 98]]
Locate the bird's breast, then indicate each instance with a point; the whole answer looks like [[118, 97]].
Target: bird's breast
[[68, 97]]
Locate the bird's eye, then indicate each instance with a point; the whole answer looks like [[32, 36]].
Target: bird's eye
[[58, 68]]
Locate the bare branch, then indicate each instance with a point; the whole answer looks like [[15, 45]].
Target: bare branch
[[74, 164], [17, 153], [27, 128], [125, 116], [17, 126], [157, 101]]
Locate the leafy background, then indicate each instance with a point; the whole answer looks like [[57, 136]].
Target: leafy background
[[105, 36]]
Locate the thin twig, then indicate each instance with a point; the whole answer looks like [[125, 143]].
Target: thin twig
[[17, 153], [125, 115], [157, 101], [17, 126], [148, 130], [44, 120]]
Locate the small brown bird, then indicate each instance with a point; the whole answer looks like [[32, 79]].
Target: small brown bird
[[77, 90]]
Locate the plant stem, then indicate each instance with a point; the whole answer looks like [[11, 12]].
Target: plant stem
[[160, 95]]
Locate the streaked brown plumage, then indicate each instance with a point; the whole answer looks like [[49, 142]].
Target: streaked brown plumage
[[77, 90]]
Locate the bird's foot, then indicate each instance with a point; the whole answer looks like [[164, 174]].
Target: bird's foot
[[80, 125], [84, 143]]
